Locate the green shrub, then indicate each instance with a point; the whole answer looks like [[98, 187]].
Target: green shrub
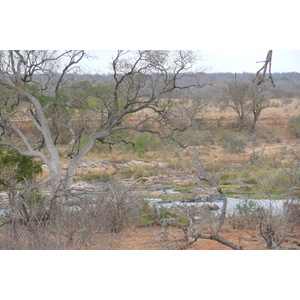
[[145, 142], [249, 208], [228, 178], [276, 180], [99, 175], [235, 146], [194, 137], [246, 214], [182, 220], [232, 141], [15, 168]]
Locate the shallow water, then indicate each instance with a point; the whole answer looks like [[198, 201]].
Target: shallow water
[[277, 205]]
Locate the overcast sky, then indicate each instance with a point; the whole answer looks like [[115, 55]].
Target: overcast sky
[[217, 60]]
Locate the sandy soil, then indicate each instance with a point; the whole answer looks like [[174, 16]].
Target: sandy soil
[[141, 238]]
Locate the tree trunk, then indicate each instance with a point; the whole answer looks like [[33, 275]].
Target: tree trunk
[[76, 160], [255, 118], [55, 177]]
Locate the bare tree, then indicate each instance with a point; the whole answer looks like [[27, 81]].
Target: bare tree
[[260, 78], [236, 98], [258, 101], [202, 224], [142, 80], [272, 227], [18, 69]]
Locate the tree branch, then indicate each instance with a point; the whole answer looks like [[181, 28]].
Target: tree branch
[[260, 78]]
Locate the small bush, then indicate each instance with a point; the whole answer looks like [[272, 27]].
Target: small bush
[[195, 137], [294, 126], [276, 180], [144, 142], [97, 175], [116, 207], [246, 213], [249, 208], [136, 171], [232, 141], [270, 135], [235, 146], [228, 178], [292, 211]]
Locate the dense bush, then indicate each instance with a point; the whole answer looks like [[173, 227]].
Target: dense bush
[[116, 207], [89, 215], [144, 142], [15, 168]]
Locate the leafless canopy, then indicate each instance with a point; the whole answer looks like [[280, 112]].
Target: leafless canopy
[[260, 77], [143, 80]]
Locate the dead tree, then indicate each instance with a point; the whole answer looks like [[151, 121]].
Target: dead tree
[[260, 77]]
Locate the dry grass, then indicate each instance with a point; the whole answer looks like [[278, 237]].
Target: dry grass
[[271, 130], [273, 136]]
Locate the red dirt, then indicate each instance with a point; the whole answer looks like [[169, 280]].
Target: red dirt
[[140, 238]]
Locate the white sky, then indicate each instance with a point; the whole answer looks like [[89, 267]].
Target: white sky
[[212, 25], [217, 60]]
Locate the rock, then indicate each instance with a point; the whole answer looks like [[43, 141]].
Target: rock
[[164, 201], [83, 166], [142, 180], [137, 163], [3, 197], [192, 200], [215, 197], [78, 184], [142, 163], [211, 206], [158, 164]]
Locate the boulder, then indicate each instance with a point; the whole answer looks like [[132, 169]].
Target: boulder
[[164, 201], [192, 200], [215, 197], [3, 197], [211, 206]]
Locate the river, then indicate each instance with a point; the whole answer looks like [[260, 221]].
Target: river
[[277, 205]]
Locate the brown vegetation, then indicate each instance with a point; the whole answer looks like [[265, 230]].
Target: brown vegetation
[[109, 144], [160, 165]]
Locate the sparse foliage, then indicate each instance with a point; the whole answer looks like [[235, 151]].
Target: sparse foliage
[[142, 80], [236, 98], [258, 101]]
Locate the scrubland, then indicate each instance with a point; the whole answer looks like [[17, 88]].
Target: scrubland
[[253, 166]]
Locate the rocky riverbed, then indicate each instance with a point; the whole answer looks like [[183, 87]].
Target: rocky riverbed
[[167, 188]]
